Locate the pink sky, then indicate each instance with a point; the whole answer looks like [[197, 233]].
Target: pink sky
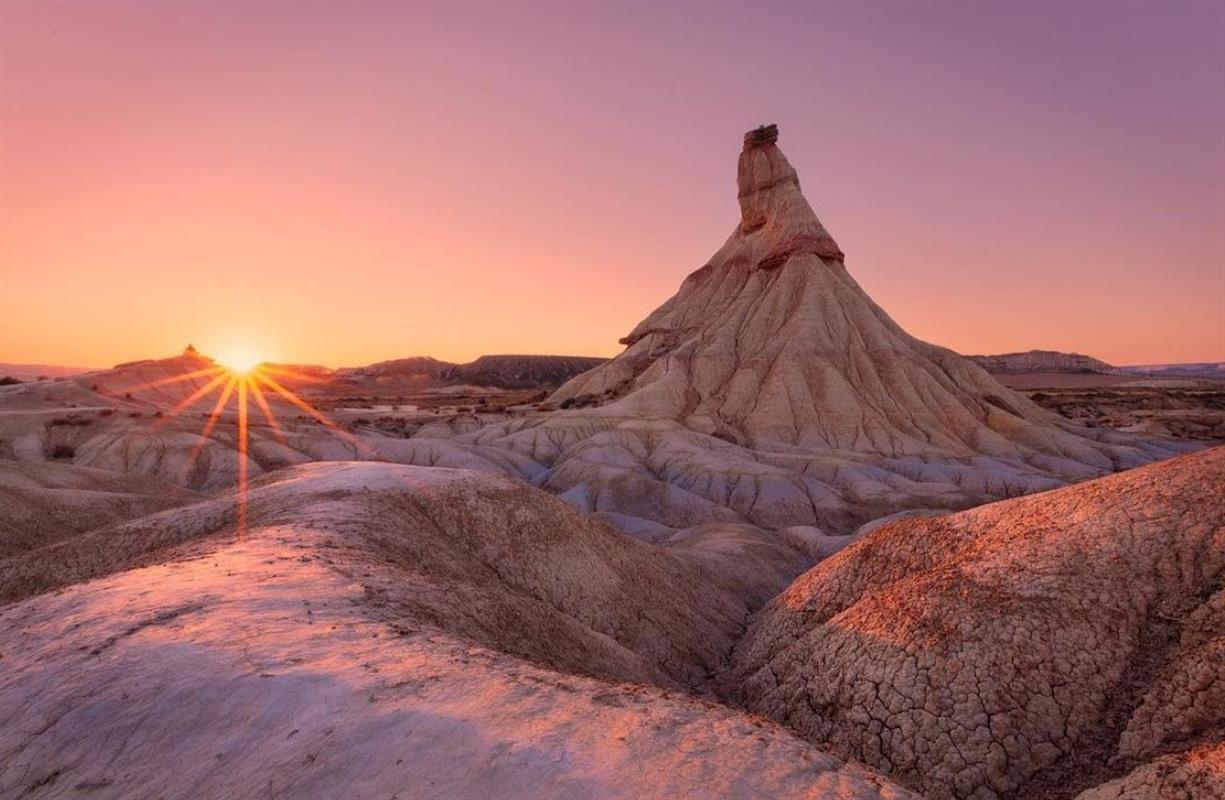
[[339, 183]]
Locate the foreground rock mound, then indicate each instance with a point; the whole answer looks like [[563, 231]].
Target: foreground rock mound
[[482, 556], [1043, 643], [371, 635]]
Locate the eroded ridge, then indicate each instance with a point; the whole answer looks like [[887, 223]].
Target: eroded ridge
[[370, 636], [1044, 643]]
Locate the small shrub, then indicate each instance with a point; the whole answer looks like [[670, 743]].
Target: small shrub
[[9, 380], [72, 422], [106, 412]]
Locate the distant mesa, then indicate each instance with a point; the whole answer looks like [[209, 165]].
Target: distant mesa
[[35, 372], [498, 371], [1044, 361], [1206, 370]]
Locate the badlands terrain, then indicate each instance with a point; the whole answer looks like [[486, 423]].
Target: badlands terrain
[[776, 548], [1178, 401]]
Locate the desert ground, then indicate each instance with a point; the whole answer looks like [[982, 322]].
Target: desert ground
[[776, 548]]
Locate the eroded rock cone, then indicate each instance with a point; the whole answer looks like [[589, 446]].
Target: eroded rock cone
[[772, 341]]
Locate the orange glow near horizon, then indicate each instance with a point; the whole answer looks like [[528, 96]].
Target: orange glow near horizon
[[239, 361], [242, 383], [354, 182]]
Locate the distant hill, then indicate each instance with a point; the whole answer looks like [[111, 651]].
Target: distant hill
[[523, 372], [500, 371], [32, 372], [1194, 369], [1043, 361]]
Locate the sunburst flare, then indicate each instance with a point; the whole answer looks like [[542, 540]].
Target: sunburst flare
[[245, 378]]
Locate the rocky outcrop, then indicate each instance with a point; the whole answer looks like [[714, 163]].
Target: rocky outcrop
[[1058, 640]]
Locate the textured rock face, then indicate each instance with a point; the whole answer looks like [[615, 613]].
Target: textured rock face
[[768, 189], [367, 637], [1053, 640], [1195, 774]]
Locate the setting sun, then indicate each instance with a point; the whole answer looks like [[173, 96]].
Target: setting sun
[[239, 361]]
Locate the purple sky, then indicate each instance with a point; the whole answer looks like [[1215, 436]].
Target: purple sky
[[343, 182]]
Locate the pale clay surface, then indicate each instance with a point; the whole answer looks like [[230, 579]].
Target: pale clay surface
[[272, 665]]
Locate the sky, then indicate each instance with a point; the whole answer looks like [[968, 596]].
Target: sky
[[340, 183]]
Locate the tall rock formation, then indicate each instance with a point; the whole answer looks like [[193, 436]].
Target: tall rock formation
[[773, 341], [772, 386]]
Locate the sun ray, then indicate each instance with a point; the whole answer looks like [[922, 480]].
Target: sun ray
[[243, 382], [319, 416], [262, 402], [211, 423], [186, 376], [242, 453], [286, 372], [191, 400]]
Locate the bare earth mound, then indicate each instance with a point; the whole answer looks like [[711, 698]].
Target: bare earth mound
[[348, 645], [48, 502], [1035, 645], [482, 556]]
